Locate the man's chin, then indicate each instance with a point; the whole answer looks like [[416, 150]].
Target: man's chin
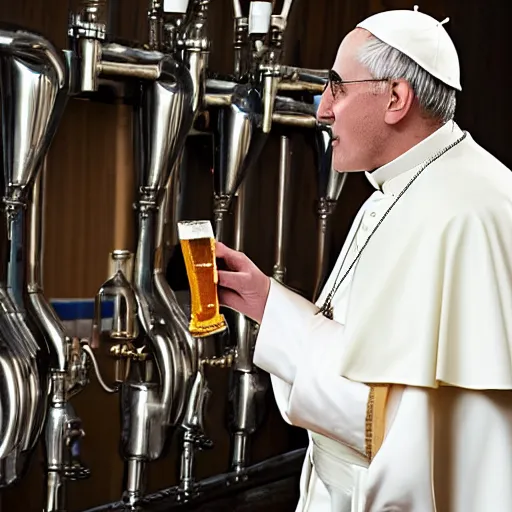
[[342, 165], [343, 169]]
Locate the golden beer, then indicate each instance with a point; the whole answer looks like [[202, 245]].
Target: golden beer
[[198, 247]]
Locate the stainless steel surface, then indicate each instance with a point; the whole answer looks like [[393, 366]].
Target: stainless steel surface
[[162, 381], [283, 210], [195, 47], [270, 63], [33, 94], [248, 402], [163, 119], [240, 212], [239, 142], [163, 363], [194, 435], [13, 393], [68, 373], [162, 125], [88, 29], [154, 325], [241, 46], [248, 385], [33, 76], [236, 133], [244, 331], [240, 41], [190, 401], [301, 79], [214, 86], [126, 69], [217, 100], [300, 86], [63, 434], [270, 84], [305, 74], [172, 206], [97, 58], [155, 24], [118, 53], [297, 120], [134, 482], [144, 424], [53, 329], [239, 139], [91, 56]]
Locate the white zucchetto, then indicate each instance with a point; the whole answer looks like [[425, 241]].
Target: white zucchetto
[[420, 37]]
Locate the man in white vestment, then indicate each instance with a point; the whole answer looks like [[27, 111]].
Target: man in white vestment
[[402, 371]]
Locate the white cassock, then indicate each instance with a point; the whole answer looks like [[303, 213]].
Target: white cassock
[[406, 393]]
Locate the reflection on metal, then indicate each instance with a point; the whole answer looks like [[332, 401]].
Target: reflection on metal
[[160, 369], [219, 487], [239, 142], [155, 388], [41, 367]]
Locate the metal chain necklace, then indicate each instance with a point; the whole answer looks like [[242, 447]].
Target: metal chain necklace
[[327, 308]]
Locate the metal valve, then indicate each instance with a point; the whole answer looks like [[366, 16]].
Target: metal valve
[[128, 351], [220, 362], [74, 433]]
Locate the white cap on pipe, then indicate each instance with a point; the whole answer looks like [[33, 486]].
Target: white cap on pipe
[[176, 6], [260, 14]]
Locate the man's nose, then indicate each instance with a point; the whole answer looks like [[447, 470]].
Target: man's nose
[[324, 112]]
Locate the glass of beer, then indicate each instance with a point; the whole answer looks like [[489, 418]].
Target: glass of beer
[[198, 246]]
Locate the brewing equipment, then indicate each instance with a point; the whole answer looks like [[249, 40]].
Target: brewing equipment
[[157, 385], [153, 394], [46, 367], [258, 47], [160, 368], [39, 78]]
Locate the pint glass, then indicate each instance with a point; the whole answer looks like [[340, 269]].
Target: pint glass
[[198, 246]]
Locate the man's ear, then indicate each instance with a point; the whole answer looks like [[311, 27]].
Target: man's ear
[[401, 98]]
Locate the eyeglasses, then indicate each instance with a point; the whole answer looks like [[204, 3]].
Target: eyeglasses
[[336, 83]]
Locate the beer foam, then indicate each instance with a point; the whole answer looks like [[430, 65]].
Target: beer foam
[[194, 229]]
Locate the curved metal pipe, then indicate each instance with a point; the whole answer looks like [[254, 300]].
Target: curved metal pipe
[[10, 399], [164, 117], [88, 350], [44, 313]]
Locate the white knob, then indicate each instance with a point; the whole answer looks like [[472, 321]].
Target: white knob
[[260, 14], [237, 8], [176, 6]]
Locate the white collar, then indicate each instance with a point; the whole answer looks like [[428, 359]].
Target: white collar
[[387, 177]]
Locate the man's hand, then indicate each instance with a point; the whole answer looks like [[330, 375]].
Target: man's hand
[[244, 287]]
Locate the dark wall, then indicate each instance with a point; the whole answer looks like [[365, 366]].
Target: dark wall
[[89, 189]]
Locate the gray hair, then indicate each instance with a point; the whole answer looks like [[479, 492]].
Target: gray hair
[[436, 99]]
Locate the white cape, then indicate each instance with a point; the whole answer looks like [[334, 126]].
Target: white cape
[[444, 255]]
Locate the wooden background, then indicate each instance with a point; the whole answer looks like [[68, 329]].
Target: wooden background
[[90, 176]]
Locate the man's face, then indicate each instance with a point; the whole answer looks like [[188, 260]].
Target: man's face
[[354, 110]]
